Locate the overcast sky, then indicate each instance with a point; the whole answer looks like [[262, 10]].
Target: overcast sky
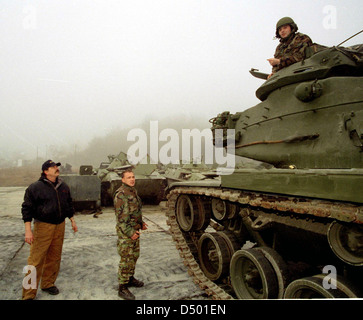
[[74, 70]]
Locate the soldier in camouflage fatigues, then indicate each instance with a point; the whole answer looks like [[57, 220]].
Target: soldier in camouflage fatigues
[[292, 46], [128, 225]]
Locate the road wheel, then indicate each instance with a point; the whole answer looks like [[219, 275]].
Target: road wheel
[[252, 275], [214, 255]]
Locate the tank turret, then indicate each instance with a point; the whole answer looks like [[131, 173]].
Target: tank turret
[[310, 116]]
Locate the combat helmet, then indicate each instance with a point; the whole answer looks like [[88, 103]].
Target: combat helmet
[[282, 22]]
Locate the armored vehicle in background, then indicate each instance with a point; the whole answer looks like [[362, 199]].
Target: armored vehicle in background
[[150, 184], [188, 172], [85, 187], [293, 230]]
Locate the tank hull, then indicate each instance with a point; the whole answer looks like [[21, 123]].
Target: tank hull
[[85, 190], [332, 184], [150, 189]]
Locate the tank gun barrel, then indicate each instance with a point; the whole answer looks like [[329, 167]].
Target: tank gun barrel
[[120, 169]]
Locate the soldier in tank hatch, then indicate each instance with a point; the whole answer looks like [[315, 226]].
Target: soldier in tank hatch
[[292, 46]]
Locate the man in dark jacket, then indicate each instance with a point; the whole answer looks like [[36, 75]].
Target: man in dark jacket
[[48, 202]]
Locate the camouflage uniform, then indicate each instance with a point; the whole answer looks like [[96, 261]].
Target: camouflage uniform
[[291, 50], [128, 220]]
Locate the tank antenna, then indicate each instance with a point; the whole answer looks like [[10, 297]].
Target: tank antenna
[[350, 38]]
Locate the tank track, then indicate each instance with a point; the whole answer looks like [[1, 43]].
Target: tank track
[[185, 248], [186, 244]]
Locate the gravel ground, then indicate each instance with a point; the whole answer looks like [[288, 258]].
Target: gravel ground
[[90, 260]]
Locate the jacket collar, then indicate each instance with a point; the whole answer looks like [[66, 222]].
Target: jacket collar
[[126, 186], [55, 185], [289, 38]]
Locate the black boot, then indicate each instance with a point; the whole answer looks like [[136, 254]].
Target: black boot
[[124, 293], [135, 283], [52, 290]]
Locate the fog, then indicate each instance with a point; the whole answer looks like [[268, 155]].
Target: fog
[[76, 76]]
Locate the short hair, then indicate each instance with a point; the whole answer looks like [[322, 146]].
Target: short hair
[[127, 170]]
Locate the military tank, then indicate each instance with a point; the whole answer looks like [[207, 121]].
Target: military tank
[[293, 228]]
